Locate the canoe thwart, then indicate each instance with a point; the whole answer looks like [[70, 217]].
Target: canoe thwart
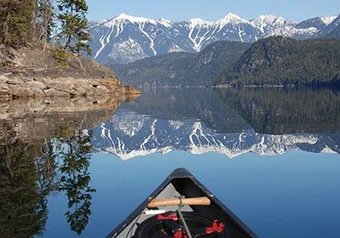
[[176, 202]]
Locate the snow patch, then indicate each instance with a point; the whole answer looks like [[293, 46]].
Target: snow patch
[[199, 22], [152, 44], [128, 50], [290, 31], [328, 20], [328, 150], [267, 23], [133, 19], [104, 40], [231, 18], [165, 22], [199, 25]]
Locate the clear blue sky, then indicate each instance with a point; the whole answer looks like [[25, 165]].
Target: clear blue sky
[[176, 10]]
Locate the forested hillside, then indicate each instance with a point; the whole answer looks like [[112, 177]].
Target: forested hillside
[[182, 69], [287, 62]]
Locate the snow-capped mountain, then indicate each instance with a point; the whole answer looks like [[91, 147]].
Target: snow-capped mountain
[[126, 139], [125, 38], [268, 23]]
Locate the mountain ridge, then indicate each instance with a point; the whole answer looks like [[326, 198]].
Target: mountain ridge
[[125, 39], [182, 68], [285, 61]]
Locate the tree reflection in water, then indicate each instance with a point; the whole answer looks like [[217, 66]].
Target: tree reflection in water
[[23, 204], [74, 153], [30, 172]]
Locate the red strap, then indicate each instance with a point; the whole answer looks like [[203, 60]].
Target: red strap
[[215, 228], [168, 217], [179, 234]]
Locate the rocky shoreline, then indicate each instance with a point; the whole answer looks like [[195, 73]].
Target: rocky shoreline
[[27, 87], [35, 73]]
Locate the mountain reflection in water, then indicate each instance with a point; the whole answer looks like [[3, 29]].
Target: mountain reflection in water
[[46, 145], [228, 121]]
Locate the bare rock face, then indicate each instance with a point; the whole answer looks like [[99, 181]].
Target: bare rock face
[[62, 87], [35, 73]]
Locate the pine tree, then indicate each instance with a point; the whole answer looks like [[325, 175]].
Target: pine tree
[[45, 19], [74, 25], [17, 22]]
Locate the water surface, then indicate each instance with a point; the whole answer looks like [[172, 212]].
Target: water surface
[[271, 155]]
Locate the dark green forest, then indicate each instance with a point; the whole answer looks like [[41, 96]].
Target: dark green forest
[[182, 69], [286, 62]]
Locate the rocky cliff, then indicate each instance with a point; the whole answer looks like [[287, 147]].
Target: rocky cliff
[[36, 72]]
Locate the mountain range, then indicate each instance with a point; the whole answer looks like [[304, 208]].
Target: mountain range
[[124, 39]]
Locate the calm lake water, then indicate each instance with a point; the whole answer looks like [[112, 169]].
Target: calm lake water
[[270, 155]]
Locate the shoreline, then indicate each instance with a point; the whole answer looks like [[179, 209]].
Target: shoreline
[[31, 72], [28, 87]]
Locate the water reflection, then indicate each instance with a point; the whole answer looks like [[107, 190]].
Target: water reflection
[[286, 111], [74, 152], [46, 145], [229, 121], [23, 204], [45, 148]]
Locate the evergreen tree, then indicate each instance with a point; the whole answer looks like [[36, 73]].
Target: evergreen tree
[[45, 19], [74, 25], [17, 22]]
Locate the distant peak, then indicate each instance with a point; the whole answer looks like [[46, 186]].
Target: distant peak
[[165, 22], [133, 19], [122, 16], [232, 15], [198, 21], [266, 23], [232, 18], [268, 16]]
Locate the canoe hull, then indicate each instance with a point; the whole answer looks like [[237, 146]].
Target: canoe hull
[[182, 183]]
